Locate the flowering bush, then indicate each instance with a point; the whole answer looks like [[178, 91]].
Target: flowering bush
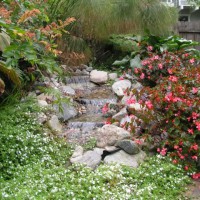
[[167, 110], [156, 66], [173, 109], [177, 109]]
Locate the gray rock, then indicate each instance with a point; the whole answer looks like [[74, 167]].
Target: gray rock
[[68, 111], [108, 135], [78, 71], [83, 66], [98, 76], [112, 76], [90, 158], [85, 72], [123, 158], [99, 150], [89, 69], [42, 103], [121, 114], [54, 124], [128, 146], [77, 152], [67, 90], [120, 86]]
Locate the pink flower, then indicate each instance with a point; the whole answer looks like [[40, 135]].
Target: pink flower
[[195, 115], [170, 71], [149, 48], [192, 60], [176, 146], [138, 142], [136, 70], [194, 147], [156, 57], [132, 116], [175, 161], [191, 131], [150, 67], [108, 122], [130, 101], [194, 90], [121, 78], [173, 78], [160, 66], [197, 125], [196, 176], [186, 168], [182, 157], [169, 97], [145, 62], [105, 109], [194, 157], [162, 151], [142, 76], [149, 105]]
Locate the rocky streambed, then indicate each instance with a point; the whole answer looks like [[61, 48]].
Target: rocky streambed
[[82, 119]]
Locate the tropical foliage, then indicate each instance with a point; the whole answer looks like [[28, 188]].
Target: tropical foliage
[[27, 43]]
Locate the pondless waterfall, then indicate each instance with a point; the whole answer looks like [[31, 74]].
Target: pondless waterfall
[[92, 97]]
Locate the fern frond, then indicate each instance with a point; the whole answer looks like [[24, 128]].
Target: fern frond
[[13, 74]]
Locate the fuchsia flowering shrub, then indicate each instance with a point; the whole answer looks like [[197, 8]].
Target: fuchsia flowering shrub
[[171, 107], [176, 102], [156, 66]]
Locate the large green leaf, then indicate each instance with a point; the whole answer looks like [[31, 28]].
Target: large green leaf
[[11, 73], [135, 62], [124, 61], [4, 41]]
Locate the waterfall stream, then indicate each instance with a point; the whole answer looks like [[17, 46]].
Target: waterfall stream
[[92, 97]]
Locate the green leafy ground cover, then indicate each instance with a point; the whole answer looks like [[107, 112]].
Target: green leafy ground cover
[[33, 166]]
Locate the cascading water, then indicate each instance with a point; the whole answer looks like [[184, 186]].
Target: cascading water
[[93, 98]]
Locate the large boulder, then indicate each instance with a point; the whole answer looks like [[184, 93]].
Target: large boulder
[[108, 135], [120, 86], [67, 90], [123, 158], [90, 158], [128, 146], [98, 76], [68, 111]]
